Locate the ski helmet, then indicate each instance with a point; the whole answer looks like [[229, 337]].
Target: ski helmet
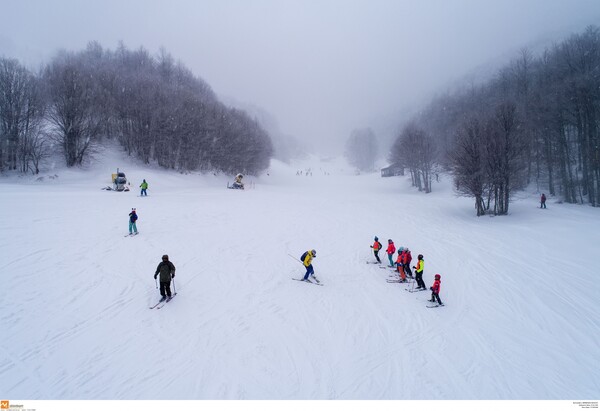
[[420, 257], [313, 252], [165, 257], [390, 240], [400, 249], [376, 239], [438, 277]]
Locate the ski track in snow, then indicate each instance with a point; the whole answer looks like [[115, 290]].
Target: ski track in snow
[[520, 320]]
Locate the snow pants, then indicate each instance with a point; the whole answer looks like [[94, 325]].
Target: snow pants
[[143, 192], [165, 289], [309, 271], [391, 258], [401, 271], [376, 252], [435, 296], [133, 227], [419, 279]]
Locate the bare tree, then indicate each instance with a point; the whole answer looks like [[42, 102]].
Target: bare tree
[[72, 110], [21, 112], [415, 149], [468, 165]]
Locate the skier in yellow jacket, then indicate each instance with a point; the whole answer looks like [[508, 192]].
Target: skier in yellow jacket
[[306, 259]]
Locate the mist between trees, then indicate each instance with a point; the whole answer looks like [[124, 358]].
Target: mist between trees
[[536, 122], [156, 109]]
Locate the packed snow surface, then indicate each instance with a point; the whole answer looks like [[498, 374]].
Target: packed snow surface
[[521, 291]]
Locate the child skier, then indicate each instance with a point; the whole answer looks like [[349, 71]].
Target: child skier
[[435, 290], [419, 272], [390, 252], [144, 187], [400, 265], [306, 259], [132, 219], [376, 247], [407, 258]]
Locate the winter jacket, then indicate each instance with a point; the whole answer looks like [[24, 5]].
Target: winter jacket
[[400, 259], [133, 217], [420, 266], [407, 258], [377, 246], [166, 270], [144, 185], [308, 259], [436, 286], [543, 198], [391, 248]]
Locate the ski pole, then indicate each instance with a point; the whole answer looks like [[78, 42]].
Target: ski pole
[[174, 289], [156, 281], [294, 258]]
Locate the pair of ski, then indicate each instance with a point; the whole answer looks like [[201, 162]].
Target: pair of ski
[[132, 234], [162, 302], [306, 281], [396, 281], [434, 306]]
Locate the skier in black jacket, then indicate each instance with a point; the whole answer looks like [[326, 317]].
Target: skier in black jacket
[[166, 269]]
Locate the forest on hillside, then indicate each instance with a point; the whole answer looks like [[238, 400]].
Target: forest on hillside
[[536, 122], [155, 107]]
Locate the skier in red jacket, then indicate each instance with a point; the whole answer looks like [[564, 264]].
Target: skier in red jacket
[[435, 289], [406, 259], [390, 252], [400, 264]]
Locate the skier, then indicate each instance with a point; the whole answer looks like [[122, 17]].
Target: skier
[[435, 290], [407, 258], [376, 247], [306, 259], [144, 187], [132, 219], [166, 269], [238, 182], [400, 264], [419, 272], [543, 201], [390, 252]]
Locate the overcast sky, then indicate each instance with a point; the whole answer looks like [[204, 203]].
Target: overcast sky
[[320, 67]]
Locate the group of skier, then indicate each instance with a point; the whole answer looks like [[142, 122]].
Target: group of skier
[[403, 268]]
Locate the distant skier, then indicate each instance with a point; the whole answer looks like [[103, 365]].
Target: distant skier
[[306, 259], [543, 201], [144, 187], [406, 259], [132, 219], [166, 269], [376, 247], [238, 182], [435, 290], [419, 272], [390, 252]]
